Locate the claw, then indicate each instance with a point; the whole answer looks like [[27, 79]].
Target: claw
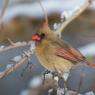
[[44, 75], [54, 74]]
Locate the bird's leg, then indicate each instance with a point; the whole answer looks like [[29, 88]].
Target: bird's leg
[[54, 74], [44, 74], [62, 84], [61, 81]]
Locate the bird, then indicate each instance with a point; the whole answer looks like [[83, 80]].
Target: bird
[[54, 53]]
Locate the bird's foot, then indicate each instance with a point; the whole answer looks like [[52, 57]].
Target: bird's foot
[[61, 81], [55, 74], [44, 75], [62, 84]]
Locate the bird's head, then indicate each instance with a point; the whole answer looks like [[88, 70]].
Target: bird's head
[[42, 37], [38, 37]]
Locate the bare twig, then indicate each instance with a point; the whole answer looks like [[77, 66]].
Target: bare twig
[[45, 13], [14, 45], [76, 14], [26, 56], [11, 42], [9, 70], [23, 60], [5, 4]]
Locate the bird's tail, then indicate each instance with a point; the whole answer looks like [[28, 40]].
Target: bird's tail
[[92, 65]]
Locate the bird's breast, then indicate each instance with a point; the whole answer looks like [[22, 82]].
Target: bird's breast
[[50, 61]]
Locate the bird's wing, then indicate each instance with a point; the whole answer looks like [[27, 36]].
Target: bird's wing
[[64, 50]]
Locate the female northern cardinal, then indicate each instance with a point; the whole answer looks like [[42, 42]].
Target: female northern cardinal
[[55, 54]]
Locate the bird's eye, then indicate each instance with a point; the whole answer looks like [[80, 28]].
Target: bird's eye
[[42, 35]]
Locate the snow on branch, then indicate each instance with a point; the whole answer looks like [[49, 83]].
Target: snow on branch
[[18, 60], [14, 45], [71, 15]]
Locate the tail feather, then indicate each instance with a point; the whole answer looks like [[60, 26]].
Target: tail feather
[[92, 65]]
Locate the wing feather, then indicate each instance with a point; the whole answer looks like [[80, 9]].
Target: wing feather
[[66, 51]]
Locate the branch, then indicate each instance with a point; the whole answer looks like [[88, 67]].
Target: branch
[[76, 14], [26, 56], [45, 13], [14, 45], [5, 4]]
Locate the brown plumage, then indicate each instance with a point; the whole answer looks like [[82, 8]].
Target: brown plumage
[[55, 54]]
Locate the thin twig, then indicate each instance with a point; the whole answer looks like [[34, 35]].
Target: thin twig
[[24, 60], [76, 14], [5, 5], [11, 42], [26, 56], [45, 13], [14, 45]]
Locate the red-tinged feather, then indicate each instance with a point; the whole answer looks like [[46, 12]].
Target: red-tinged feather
[[76, 53], [68, 52], [65, 54]]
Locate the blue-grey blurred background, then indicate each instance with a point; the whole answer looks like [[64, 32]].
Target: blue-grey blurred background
[[23, 17]]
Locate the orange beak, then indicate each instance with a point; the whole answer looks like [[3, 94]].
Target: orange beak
[[36, 38]]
